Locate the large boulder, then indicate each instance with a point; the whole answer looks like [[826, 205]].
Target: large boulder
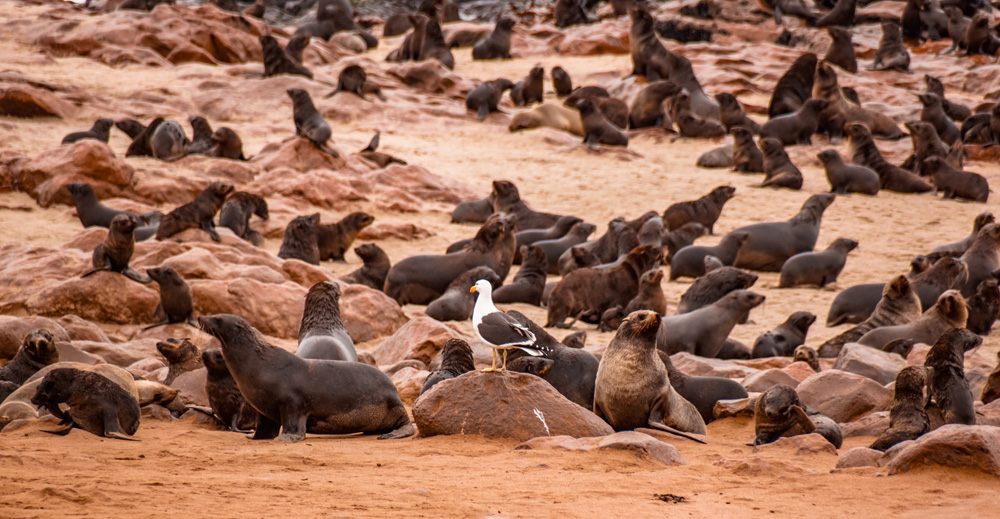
[[420, 339], [875, 364], [763, 380], [843, 396], [103, 297], [13, 330], [975, 447], [45, 176], [705, 367], [859, 457], [502, 404], [643, 446]]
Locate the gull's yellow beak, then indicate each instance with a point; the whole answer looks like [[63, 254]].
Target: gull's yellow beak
[[473, 289]]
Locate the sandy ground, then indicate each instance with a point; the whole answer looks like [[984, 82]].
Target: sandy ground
[[186, 469]]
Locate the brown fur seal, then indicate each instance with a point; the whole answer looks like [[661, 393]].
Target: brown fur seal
[[456, 359], [497, 45], [236, 212], [946, 382], [457, 303], [182, 357], [731, 114], [587, 292], [596, 127], [703, 332], [201, 135], [991, 391], [949, 312], [507, 199], [955, 111], [130, 127], [984, 307], [982, 258], [650, 296], [689, 261], [693, 125], [817, 268], [322, 334], [168, 142], [413, 42], [421, 279], [933, 114], [778, 412], [296, 395], [953, 183], [796, 127], [116, 251], [705, 210], [926, 144], [309, 124], [647, 111], [176, 304], [771, 243], [228, 404], [529, 90], [296, 46], [862, 150], [702, 392], [299, 240], [958, 27], [794, 87], [139, 146], [778, 168], [37, 351], [197, 214], [899, 305], [549, 116], [101, 130], [907, 418], [808, 355], [891, 54], [614, 110], [484, 98], [840, 111], [92, 212], [677, 240], [633, 388], [472, 211], [529, 282], [376, 267], [554, 232], [848, 178], [841, 51], [747, 157], [569, 12], [434, 46], [336, 238], [96, 404], [226, 144], [577, 340], [354, 79], [554, 249], [979, 38], [714, 285], [277, 61], [649, 56], [783, 340], [561, 82]]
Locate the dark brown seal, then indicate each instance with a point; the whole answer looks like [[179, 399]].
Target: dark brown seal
[[862, 150], [96, 404], [691, 124], [226, 144], [228, 404], [456, 359], [778, 412], [299, 240], [139, 146], [354, 79], [484, 98], [561, 82], [841, 15], [554, 232], [176, 304], [952, 183], [336, 238], [946, 383], [680, 238], [841, 111], [309, 124], [421, 279], [979, 38], [907, 418], [958, 27], [382, 159], [771, 243], [507, 199], [569, 12], [236, 212], [647, 111], [116, 251], [982, 258], [705, 210], [778, 168], [529, 282], [529, 90], [413, 42], [949, 312], [597, 129], [841, 51], [702, 392], [614, 110], [182, 357], [92, 212], [322, 334], [933, 114], [926, 144], [497, 45], [891, 54], [296, 396], [808, 355], [197, 214], [899, 305], [955, 111], [714, 285], [277, 61], [984, 307], [747, 157], [817, 268], [650, 296], [783, 340], [703, 332], [37, 351], [649, 56], [794, 87], [796, 127], [731, 114], [554, 249], [130, 127], [848, 178], [689, 261], [472, 211], [633, 388], [101, 130], [457, 303], [376, 267]]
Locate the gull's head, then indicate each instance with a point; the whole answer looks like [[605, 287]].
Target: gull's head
[[481, 286]]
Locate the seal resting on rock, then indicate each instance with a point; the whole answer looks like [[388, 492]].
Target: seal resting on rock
[[705, 210], [116, 251], [176, 302], [322, 334], [633, 388], [182, 357], [37, 351], [334, 239], [794, 87], [92, 212], [309, 124], [456, 358], [778, 412], [946, 383], [296, 396], [907, 418], [101, 131], [299, 240], [771, 243], [197, 214], [817, 268], [782, 341], [96, 404], [529, 90], [376, 267], [949, 312], [703, 332], [236, 212]]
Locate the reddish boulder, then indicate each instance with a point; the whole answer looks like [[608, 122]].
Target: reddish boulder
[[843, 396], [974, 447], [27, 102], [103, 297], [45, 176], [421, 339]]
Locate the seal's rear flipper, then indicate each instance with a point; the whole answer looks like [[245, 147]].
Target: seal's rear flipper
[[484, 110], [403, 432], [660, 426], [89, 272], [373, 145], [135, 276], [63, 431]]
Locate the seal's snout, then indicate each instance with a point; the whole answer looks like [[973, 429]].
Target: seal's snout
[[205, 322]]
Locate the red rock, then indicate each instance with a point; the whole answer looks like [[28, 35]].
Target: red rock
[[843, 396], [875, 364], [859, 457], [429, 76], [421, 339], [298, 154], [273, 309], [120, 354], [70, 353], [871, 424], [45, 176], [13, 330], [502, 404], [369, 314], [974, 447], [405, 231], [82, 330], [590, 40], [742, 408], [187, 53], [304, 273], [102, 297], [191, 386], [408, 382], [799, 370], [641, 445], [27, 102], [763, 380], [703, 367], [421, 183]]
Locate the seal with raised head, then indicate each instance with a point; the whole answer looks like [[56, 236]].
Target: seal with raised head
[[633, 388], [90, 210], [277, 61], [456, 359], [376, 267], [116, 251], [484, 98], [507, 199], [933, 114], [705, 210], [101, 130], [37, 351], [842, 110], [561, 82], [702, 392], [197, 214], [299, 240], [900, 304], [731, 114], [228, 405], [841, 51], [714, 285], [139, 147], [201, 136], [703, 332], [553, 249], [955, 111], [649, 56], [771, 243], [747, 157], [497, 45], [984, 307], [796, 127], [816, 268], [472, 211], [794, 87], [553, 232], [176, 303], [779, 171], [226, 144], [891, 54], [689, 261], [979, 38], [808, 355], [529, 282], [848, 178], [597, 129], [783, 340], [236, 212], [96, 404], [336, 238], [529, 90], [982, 258], [569, 12], [991, 390], [778, 412], [907, 418], [457, 303], [946, 383], [382, 159], [926, 144], [953, 183], [308, 121], [949, 312], [861, 149], [354, 79], [182, 356], [295, 395], [322, 334], [680, 238]]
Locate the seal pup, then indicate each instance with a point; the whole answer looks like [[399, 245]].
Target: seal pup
[[702, 392], [778, 412], [197, 214], [689, 261], [553, 249], [554, 232], [236, 212], [794, 87], [984, 307], [958, 27], [228, 405], [680, 238], [201, 136], [783, 340], [953, 183], [842, 110], [949, 312], [529, 90], [650, 296], [646, 110], [979, 38], [92, 212], [497, 44], [569, 12], [130, 127], [900, 304], [456, 359], [907, 418], [182, 357], [308, 121], [982, 258], [116, 251], [299, 241], [457, 303], [691, 124], [296, 396], [335, 239], [37, 351], [731, 114], [933, 114], [848, 178], [955, 111], [703, 332], [714, 285], [484, 98], [862, 150], [778, 168], [891, 54], [771, 243], [96, 404], [596, 127], [817, 268], [747, 157], [561, 82], [434, 46], [808, 355], [633, 389], [139, 147], [841, 51], [176, 303], [382, 159], [796, 127], [529, 282], [946, 383], [101, 130], [926, 144], [354, 79], [376, 266], [322, 334], [705, 210]]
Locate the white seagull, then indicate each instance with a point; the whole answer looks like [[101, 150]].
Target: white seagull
[[500, 330]]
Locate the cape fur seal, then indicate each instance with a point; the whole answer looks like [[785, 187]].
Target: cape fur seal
[[529, 90], [507, 199], [907, 418], [382, 159], [991, 391], [308, 121], [176, 303], [37, 351], [747, 157], [840, 111], [848, 178], [569, 12], [92, 212], [322, 334], [982, 258], [456, 359], [796, 127], [817, 268], [335, 239], [354, 79], [549, 116], [472, 211], [984, 307], [646, 110], [236, 212], [554, 232], [778, 168], [561, 82], [277, 61], [116, 251], [702, 392], [714, 285], [182, 357], [299, 240], [553, 249], [705, 210], [841, 51], [201, 135], [899, 305], [295, 395], [933, 114], [484, 98], [228, 404], [649, 56], [457, 303], [731, 114], [689, 261], [861, 149], [956, 184], [376, 266], [597, 129], [949, 312], [948, 388], [955, 111], [771, 243], [96, 404], [197, 214], [497, 45], [101, 130], [778, 412], [891, 54], [529, 282], [783, 340], [794, 87], [703, 332], [168, 142]]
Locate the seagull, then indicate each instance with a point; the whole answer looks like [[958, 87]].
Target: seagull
[[500, 330]]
